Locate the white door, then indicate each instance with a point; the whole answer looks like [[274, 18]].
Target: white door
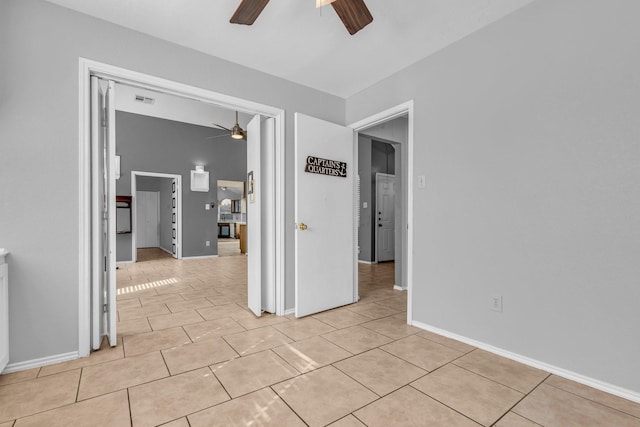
[[103, 144], [267, 158], [325, 255], [147, 219], [254, 201], [385, 217]]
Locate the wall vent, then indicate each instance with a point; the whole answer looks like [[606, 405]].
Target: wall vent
[[145, 99]]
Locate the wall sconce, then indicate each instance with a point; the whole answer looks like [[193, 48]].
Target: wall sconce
[[199, 179]]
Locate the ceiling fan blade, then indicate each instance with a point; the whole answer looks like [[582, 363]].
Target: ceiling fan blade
[[248, 11], [354, 14], [222, 127], [219, 136]]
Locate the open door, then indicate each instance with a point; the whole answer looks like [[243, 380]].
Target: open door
[[385, 217], [103, 213], [254, 201], [325, 255], [174, 218]]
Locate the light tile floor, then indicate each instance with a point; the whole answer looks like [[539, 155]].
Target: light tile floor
[[191, 354]]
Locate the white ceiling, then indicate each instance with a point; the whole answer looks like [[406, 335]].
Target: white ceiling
[[180, 109], [294, 40]]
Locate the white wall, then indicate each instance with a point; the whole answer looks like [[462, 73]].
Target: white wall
[[528, 134], [40, 44]]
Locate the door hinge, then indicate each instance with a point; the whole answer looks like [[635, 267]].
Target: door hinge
[[105, 307], [105, 263]]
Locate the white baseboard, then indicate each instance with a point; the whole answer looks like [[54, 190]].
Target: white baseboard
[[124, 262], [561, 372], [200, 257], [36, 363], [366, 262], [290, 311], [399, 288]]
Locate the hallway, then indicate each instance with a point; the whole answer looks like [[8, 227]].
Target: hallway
[[191, 354]]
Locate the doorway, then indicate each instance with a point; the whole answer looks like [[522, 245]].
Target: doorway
[[393, 126], [157, 212], [275, 166], [232, 218]]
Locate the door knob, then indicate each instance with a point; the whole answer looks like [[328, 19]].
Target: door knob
[[302, 226], [379, 225]]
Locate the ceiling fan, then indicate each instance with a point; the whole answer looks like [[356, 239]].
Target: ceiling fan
[[236, 132], [354, 13]]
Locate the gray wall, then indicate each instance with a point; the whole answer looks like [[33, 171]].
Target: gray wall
[[150, 144], [364, 171], [40, 44], [527, 132]]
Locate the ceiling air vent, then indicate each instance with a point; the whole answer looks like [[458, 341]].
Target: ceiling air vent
[[145, 99]]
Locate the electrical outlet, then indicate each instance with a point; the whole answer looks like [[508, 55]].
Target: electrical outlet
[[207, 243], [207, 206], [422, 181], [496, 303]]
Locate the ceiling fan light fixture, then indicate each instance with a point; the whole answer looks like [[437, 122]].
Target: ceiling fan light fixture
[[320, 3], [237, 132]]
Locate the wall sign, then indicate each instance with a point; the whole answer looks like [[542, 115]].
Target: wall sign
[[326, 167]]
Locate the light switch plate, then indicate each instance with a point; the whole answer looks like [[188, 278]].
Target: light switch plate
[[365, 205], [422, 181]]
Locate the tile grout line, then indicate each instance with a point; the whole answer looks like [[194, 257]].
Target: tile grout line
[[589, 399], [129, 403], [285, 402], [79, 382], [511, 409], [221, 385], [447, 406], [372, 391], [407, 361], [495, 381]]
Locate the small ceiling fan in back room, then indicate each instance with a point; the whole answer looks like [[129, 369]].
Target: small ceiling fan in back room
[[236, 132], [354, 13]]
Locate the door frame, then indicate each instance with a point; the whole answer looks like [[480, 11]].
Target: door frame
[[378, 175], [134, 210], [406, 175], [87, 68]]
